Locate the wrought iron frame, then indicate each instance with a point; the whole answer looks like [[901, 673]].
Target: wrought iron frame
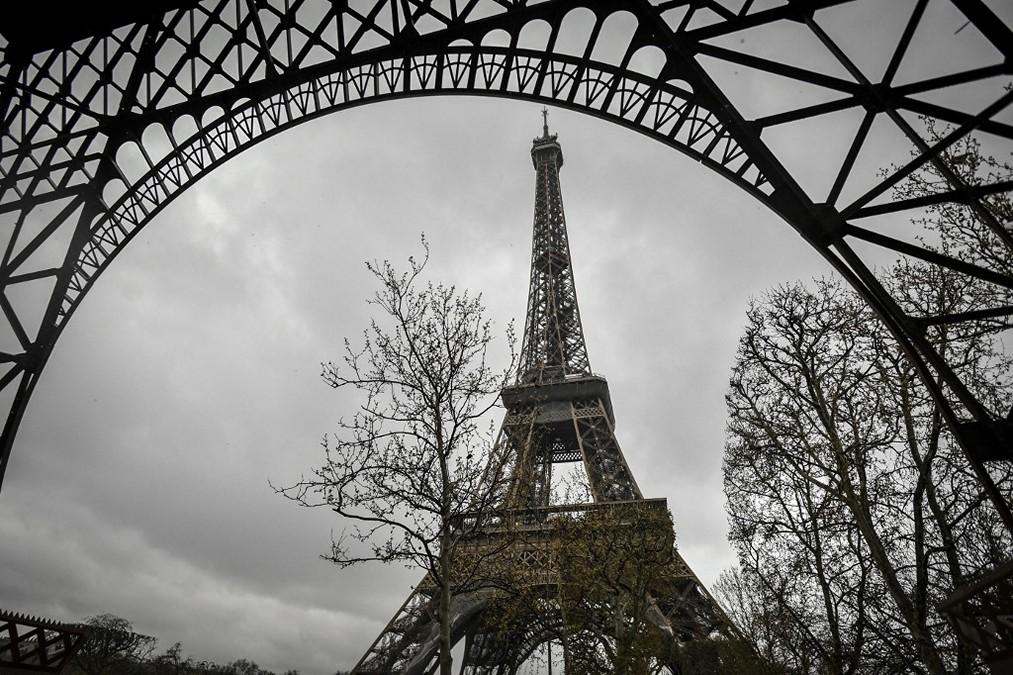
[[982, 614], [32, 645], [108, 117], [73, 115]]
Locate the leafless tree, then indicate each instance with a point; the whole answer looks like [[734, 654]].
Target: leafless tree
[[411, 468], [852, 508], [777, 636], [111, 646]]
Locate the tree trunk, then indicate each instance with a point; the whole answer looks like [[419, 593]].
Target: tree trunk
[[446, 660], [855, 498], [446, 573]]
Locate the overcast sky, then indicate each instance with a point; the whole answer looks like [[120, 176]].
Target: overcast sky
[[190, 375]]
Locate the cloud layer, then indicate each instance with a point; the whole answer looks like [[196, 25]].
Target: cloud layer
[[189, 378]]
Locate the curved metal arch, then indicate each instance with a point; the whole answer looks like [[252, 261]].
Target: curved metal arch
[[533, 640], [665, 112], [509, 654], [69, 107], [548, 626]]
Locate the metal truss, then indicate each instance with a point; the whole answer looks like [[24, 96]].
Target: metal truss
[[107, 120], [981, 614], [410, 639], [108, 115], [557, 411], [32, 645], [409, 643], [553, 346], [543, 433]]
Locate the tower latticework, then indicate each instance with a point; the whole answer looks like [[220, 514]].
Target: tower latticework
[[553, 347], [557, 411]]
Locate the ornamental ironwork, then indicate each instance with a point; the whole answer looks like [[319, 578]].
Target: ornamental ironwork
[[110, 111]]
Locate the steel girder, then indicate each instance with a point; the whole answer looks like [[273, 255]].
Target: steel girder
[[104, 124], [553, 346], [33, 645], [101, 134], [980, 613]]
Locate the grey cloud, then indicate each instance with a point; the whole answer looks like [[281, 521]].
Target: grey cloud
[[189, 376]]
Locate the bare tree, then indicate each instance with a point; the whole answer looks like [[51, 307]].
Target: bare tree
[[760, 615], [844, 486], [411, 468], [611, 560], [794, 537], [245, 667], [852, 508], [112, 646]]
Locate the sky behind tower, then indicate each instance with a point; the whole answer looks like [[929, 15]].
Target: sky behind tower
[[190, 376]]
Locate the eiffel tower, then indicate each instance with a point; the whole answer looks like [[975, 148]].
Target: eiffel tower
[[558, 411]]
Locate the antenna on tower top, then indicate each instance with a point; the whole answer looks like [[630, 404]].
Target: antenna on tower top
[[545, 122]]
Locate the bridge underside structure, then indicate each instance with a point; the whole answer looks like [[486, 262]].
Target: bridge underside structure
[[110, 111]]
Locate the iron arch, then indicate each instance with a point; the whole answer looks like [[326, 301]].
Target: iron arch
[[489, 652], [93, 140]]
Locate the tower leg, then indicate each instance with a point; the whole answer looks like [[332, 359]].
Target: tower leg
[[409, 642], [607, 471], [484, 655]]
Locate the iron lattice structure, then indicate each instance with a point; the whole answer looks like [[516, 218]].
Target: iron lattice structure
[[553, 346], [32, 645], [408, 644], [557, 411], [980, 613], [110, 111]]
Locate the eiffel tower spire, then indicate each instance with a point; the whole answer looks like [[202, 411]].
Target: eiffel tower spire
[[557, 412], [553, 347]]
